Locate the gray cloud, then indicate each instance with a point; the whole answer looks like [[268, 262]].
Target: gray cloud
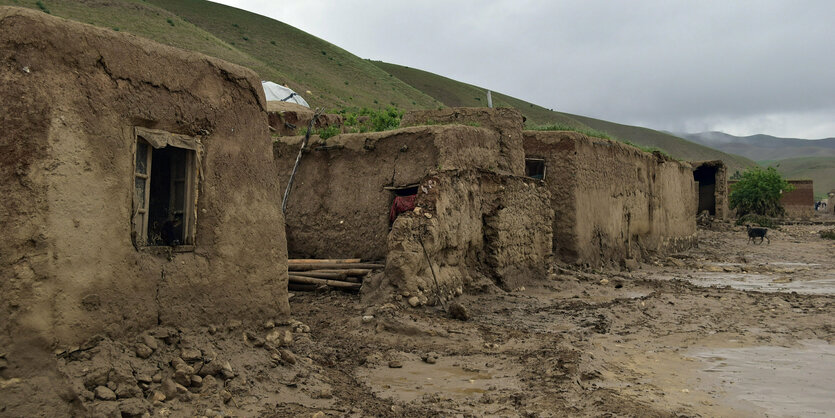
[[744, 66]]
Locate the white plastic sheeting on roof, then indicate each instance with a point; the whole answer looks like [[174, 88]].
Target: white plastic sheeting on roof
[[277, 92]]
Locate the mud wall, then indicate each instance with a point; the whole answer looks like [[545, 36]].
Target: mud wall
[[800, 202], [339, 206], [72, 97], [473, 225], [507, 122], [613, 202]]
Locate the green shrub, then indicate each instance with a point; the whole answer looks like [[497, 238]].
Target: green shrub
[[170, 21], [828, 233], [560, 127], [758, 191], [42, 6]]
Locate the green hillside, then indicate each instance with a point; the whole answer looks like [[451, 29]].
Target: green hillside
[[820, 169], [276, 51], [325, 74], [455, 93]]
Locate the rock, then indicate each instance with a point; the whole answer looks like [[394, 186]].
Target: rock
[[106, 409], [126, 390], [604, 281], [287, 356], [676, 262], [209, 384], [143, 351], [150, 341], [226, 371], [212, 368], [144, 378], [157, 396], [170, 389], [191, 355], [226, 396], [458, 311], [105, 394], [414, 301], [233, 324], [395, 364], [319, 414], [182, 377], [134, 407], [281, 337], [196, 381], [367, 318], [430, 358], [270, 324], [157, 377]]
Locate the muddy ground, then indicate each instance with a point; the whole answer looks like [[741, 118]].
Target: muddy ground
[[668, 339]]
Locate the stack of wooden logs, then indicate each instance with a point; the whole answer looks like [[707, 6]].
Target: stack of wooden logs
[[343, 273]]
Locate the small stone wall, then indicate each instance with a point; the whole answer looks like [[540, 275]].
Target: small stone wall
[[800, 202]]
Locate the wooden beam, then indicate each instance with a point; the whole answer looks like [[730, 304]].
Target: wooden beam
[[331, 283], [323, 260], [334, 266]]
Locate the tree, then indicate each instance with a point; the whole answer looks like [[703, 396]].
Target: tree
[[758, 191]]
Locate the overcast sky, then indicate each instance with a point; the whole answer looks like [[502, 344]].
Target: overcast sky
[[742, 67]]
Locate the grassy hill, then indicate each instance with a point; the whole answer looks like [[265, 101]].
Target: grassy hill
[[276, 51], [820, 169], [455, 93], [323, 73]]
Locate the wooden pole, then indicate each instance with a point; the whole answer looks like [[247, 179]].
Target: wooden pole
[[299, 159], [347, 272], [323, 260], [333, 266], [331, 283], [320, 275]]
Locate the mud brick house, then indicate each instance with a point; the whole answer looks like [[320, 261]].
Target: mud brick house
[[475, 213], [711, 179], [612, 202], [138, 183], [800, 202]]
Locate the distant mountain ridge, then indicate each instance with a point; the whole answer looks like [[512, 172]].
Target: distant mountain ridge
[[763, 147]]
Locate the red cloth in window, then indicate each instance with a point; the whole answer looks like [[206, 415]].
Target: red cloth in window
[[401, 204]]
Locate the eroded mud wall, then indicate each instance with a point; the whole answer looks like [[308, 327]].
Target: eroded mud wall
[[339, 206], [72, 95], [800, 202], [612, 201], [507, 122], [473, 225]]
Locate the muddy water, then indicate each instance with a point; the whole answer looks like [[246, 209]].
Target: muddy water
[[776, 381], [764, 282], [454, 378]]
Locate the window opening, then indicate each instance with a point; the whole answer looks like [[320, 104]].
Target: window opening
[[164, 195], [535, 168]]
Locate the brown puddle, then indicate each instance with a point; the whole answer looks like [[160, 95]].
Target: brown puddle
[[775, 381], [454, 378]]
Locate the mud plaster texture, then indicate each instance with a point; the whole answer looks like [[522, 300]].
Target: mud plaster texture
[[290, 119], [338, 207], [470, 225], [507, 122], [72, 95], [613, 202], [720, 191], [800, 202]]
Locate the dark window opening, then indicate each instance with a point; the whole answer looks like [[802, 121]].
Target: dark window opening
[[535, 168], [164, 195], [705, 178]]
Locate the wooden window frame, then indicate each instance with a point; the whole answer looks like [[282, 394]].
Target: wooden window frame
[[155, 139]]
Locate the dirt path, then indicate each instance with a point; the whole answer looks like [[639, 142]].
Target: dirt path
[[658, 341]]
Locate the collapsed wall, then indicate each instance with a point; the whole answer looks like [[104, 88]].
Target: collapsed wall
[[344, 187], [84, 111], [800, 202], [470, 225], [290, 119], [613, 202]]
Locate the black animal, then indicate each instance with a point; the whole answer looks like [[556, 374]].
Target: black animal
[[754, 233]]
